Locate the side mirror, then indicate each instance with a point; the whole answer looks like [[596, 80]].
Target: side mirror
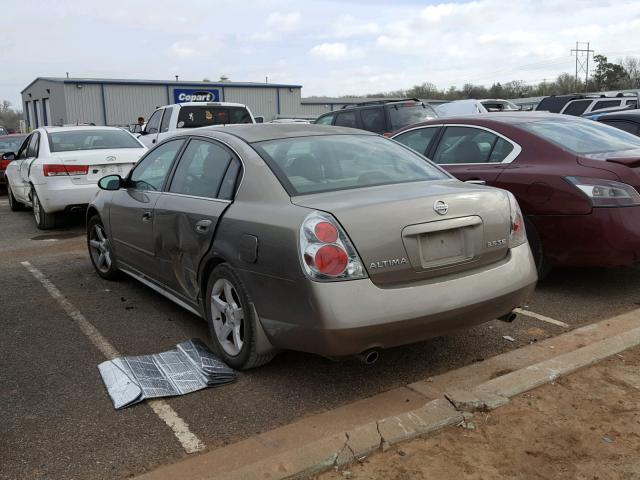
[[143, 132], [111, 182], [259, 119], [9, 156]]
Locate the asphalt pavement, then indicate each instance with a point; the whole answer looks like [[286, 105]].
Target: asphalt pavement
[[58, 421]]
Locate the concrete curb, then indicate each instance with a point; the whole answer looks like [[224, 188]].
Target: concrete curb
[[450, 399], [353, 445]]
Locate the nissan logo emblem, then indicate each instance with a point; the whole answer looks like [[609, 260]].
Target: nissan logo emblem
[[440, 207]]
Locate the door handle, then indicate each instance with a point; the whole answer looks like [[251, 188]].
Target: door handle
[[153, 141], [146, 216], [203, 226]]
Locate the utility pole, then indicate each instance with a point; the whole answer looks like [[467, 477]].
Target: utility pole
[[582, 64]]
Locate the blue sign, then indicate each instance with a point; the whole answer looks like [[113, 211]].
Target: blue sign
[[196, 95]]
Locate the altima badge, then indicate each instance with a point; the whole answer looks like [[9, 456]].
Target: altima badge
[[388, 263], [440, 207]]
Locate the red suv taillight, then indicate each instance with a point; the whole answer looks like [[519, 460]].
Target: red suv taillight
[[56, 170], [326, 251]]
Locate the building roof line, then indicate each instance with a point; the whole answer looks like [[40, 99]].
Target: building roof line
[[189, 83]]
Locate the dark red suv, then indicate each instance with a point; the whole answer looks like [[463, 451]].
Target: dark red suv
[[577, 181]]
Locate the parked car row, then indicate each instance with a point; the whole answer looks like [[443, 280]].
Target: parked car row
[[270, 231]]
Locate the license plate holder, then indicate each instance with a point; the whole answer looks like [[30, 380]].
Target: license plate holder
[[443, 247]]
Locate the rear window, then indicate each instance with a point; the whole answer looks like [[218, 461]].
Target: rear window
[[91, 140], [403, 114], [11, 144], [582, 136], [194, 117], [337, 162]]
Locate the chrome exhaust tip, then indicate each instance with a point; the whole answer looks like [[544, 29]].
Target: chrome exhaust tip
[[369, 357]]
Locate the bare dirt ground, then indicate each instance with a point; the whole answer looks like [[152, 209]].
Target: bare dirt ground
[[585, 426]]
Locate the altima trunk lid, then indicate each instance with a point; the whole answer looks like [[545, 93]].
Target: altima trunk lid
[[413, 232]]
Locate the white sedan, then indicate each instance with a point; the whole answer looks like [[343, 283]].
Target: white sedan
[[57, 169]]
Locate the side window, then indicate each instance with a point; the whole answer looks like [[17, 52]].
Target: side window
[[576, 107], [166, 119], [500, 151], [34, 145], [465, 145], [153, 125], [152, 170], [606, 104], [24, 148], [622, 125], [325, 119], [632, 102], [347, 119], [201, 171], [419, 139], [373, 119]]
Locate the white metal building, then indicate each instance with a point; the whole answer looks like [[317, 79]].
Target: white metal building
[[57, 101]]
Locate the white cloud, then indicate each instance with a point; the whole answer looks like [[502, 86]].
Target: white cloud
[[182, 50], [336, 51], [284, 22]]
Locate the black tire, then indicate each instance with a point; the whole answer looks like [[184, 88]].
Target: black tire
[[14, 204], [43, 219], [247, 357], [100, 255], [537, 249]]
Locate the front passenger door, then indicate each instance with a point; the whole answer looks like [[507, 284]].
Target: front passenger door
[[14, 175], [131, 208], [187, 214]]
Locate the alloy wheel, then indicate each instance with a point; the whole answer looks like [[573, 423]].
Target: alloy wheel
[[100, 249], [228, 316]]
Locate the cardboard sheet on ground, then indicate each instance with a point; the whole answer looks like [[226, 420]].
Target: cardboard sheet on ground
[[189, 367]]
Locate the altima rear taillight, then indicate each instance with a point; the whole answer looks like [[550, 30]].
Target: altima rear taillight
[[326, 252], [517, 233], [606, 193], [57, 170]]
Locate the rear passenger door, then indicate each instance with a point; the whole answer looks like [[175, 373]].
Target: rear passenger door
[[186, 215], [472, 153]]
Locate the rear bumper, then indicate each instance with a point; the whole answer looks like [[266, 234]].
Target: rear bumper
[[57, 195], [347, 318], [607, 237]]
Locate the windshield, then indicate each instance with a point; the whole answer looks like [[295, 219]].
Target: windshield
[[91, 140], [337, 162], [11, 144], [581, 136], [403, 114], [194, 117]]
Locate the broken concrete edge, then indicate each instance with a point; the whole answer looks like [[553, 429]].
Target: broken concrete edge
[[354, 445], [351, 446]]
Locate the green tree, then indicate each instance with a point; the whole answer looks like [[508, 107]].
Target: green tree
[[608, 76], [9, 117]]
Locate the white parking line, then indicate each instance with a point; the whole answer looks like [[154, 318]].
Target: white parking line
[[162, 409], [537, 316]]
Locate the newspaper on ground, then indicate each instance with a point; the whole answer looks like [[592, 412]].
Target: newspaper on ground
[[189, 367]]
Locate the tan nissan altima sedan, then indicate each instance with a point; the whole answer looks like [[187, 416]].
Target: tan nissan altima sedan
[[313, 238]]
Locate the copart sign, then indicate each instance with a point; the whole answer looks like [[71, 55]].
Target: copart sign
[[195, 95]]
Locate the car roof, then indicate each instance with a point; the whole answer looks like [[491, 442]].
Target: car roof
[[492, 118], [260, 132], [206, 104], [78, 128], [622, 114]]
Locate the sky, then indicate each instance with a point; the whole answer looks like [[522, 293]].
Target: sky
[[329, 47]]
